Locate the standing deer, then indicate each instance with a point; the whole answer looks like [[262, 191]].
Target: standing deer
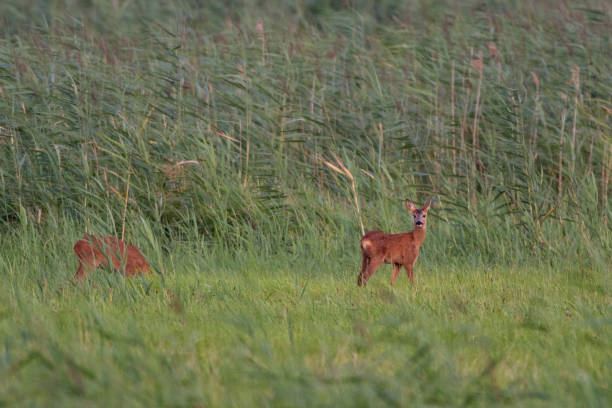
[[95, 251], [397, 249]]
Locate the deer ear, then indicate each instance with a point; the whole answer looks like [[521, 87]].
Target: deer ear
[[426, 206], [410, 206]]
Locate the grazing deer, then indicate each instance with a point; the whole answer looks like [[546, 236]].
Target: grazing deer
[[397, 249], [95, 251]]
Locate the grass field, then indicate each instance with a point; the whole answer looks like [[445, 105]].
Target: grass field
[[240, 329], [244, 145]]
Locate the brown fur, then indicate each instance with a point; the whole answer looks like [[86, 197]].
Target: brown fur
[[95, 251], [396, 249]]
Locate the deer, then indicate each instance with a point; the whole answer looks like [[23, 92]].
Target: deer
[[397, 249], [96, 251]]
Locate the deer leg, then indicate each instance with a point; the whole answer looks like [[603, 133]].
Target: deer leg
[[396, 269], [365, 261], [81, 272], [373, 265], [410, 272]]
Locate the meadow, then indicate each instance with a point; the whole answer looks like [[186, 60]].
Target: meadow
[[245, 146]]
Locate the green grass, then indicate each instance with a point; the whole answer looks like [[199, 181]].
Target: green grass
[[236, 329], [214, 138]]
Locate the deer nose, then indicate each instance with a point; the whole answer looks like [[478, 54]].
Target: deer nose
[[419, 223]]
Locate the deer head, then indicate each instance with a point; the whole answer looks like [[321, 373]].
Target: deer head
[[419, 214]]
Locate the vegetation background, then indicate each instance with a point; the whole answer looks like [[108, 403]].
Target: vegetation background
[[244, 145]]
